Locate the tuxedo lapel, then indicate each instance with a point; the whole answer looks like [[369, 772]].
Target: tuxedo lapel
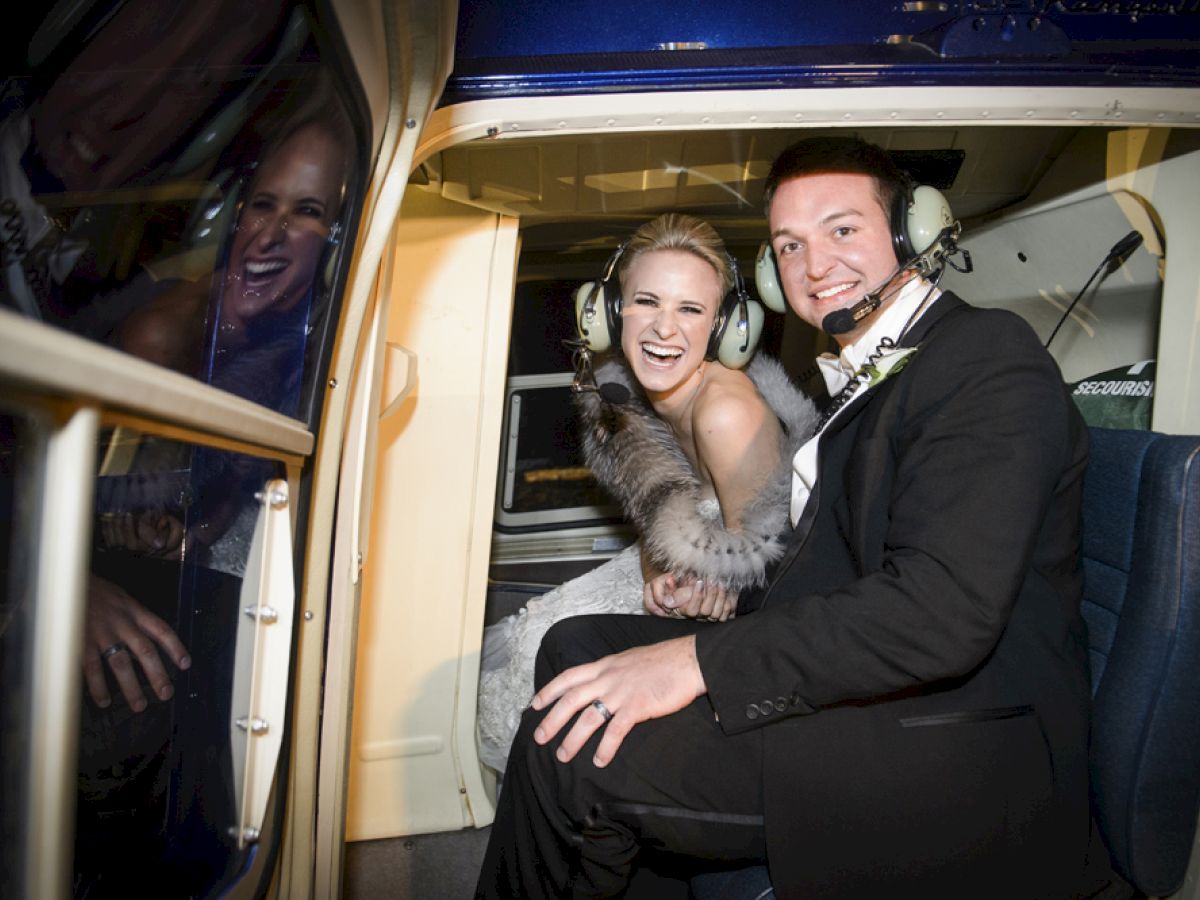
[[796, 543], [946, 303]]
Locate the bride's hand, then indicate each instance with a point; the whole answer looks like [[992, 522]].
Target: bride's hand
[[709, 601], [657, 596], [692, 598]]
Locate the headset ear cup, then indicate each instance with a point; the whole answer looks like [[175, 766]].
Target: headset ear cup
[[766, 279], [918, 218], [740, 334], [591, 320], [928, 215]]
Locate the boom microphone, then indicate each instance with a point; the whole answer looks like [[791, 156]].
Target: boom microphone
[[841, 321], [614, 393]]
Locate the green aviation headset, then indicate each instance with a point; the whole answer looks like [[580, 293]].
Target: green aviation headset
[[918, 218], [735, 333]]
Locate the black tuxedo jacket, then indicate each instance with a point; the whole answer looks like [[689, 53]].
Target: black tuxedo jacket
[[917, 664]]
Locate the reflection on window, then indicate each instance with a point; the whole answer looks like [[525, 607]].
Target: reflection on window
[[172, 531], [174, 180], [21, 455]]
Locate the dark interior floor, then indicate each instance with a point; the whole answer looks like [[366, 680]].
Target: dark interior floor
[[446, 866], [421, 867]]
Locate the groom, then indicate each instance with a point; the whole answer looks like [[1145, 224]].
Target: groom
[[906, 710]]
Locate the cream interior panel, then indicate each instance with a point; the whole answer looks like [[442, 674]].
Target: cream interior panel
[[425, 578], [1036, 261]]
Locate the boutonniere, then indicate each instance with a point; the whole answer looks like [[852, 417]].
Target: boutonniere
[[886, 364]]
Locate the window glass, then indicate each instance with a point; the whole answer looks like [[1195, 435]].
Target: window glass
[[174, 183], [544, 480], [171, 536], [543, 321], [545, 469], [21, 455]]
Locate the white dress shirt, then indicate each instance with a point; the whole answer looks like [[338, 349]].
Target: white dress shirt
[[914, 298]]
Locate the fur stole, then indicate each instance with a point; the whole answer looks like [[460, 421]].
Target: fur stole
[[635, 457]]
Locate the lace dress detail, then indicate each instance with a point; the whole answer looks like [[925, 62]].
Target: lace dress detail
[[510, 646]]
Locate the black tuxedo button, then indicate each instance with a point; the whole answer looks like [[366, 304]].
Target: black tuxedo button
[[751, 711], [795, 699], [780, 704], [766, 707]]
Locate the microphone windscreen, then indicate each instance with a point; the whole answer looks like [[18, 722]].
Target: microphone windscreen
[[839, 322], [614, 393]]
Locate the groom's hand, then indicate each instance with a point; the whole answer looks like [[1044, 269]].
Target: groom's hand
[[638, 684]]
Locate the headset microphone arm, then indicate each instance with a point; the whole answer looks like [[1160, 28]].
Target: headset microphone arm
[[925, 264]]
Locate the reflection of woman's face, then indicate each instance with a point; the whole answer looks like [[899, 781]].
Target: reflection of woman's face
[[285, 221]]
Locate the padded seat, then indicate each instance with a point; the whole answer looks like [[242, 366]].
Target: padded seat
[[1141, 549]]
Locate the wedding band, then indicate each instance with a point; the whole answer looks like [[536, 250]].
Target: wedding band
[[113, 650], [602, 709]]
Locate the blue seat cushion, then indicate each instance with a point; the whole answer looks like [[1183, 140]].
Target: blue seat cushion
[[1141, 548]]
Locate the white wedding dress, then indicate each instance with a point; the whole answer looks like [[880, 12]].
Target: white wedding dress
[[510, 646]]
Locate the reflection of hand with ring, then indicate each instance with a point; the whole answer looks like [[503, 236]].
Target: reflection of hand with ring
[[602, 709], [116, 648]]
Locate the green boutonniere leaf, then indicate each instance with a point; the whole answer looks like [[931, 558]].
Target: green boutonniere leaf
[[889, 363]]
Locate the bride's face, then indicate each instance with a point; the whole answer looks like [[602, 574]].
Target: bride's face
[[669, 301]]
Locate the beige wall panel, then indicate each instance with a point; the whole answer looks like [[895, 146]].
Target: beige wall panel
[[413, 768]]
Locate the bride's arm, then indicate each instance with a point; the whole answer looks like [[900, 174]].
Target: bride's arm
[[737, 441]]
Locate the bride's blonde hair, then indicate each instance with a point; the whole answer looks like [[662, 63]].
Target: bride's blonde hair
[[678, 231]]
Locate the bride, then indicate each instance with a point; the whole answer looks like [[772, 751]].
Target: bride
[[697, 452]]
